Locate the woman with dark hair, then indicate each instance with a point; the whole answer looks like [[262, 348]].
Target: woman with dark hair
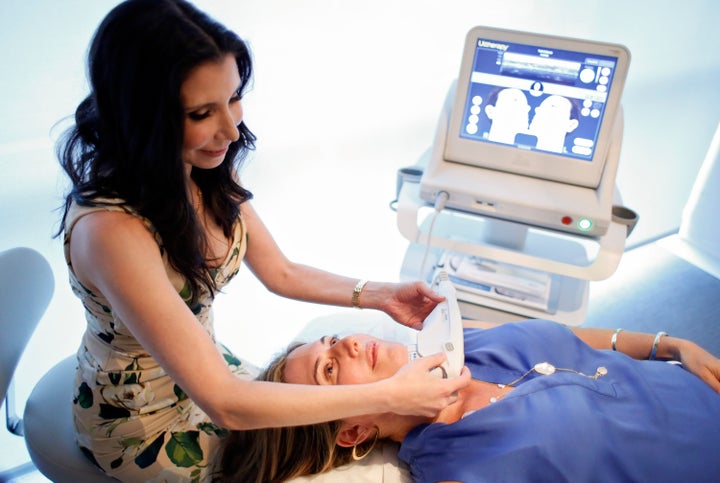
[[546, 403], [155, 224]]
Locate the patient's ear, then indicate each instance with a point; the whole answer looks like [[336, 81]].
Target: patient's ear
[[352, 435]]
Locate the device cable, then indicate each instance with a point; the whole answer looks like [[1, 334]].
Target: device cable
[[440, 201]]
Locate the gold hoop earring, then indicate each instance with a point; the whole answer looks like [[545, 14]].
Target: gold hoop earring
[[355, 456]]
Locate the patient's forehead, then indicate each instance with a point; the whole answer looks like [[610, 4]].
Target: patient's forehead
[[300, 363]]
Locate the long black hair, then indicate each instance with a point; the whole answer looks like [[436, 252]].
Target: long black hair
[[128, 134]]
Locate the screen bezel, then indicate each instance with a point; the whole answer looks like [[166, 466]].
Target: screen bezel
[[539, 164]]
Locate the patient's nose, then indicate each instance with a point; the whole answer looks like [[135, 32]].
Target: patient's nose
[[350, 346]]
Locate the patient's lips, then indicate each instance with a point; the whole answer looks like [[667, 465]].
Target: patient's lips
[[370, 353]]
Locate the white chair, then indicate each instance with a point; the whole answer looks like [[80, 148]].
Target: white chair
[[49, 434], [26, 288]]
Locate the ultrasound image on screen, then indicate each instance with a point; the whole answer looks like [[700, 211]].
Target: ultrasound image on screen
[[537, 98]]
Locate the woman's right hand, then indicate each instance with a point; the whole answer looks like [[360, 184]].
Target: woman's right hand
[[415, 391]]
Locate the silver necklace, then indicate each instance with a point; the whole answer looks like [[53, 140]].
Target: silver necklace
[[547, 369]]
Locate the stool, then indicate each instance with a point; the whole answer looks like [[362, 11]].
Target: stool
[[49, 433]]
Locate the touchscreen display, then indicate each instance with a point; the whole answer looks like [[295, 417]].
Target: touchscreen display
[[537, 98]]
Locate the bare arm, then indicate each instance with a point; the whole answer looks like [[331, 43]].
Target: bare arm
[[639, 345], [408, 303], [114, 254]]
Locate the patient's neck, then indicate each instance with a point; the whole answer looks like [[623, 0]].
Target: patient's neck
[[474, 396], [395, 427]]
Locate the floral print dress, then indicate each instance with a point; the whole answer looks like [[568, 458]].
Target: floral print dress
[[131, 419]]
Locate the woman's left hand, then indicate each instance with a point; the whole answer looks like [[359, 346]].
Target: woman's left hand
[[411, 302], [700, 362]]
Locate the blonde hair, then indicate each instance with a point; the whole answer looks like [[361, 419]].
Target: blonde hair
[[279, 454]]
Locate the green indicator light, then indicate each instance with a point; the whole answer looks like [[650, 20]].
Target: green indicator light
[[584, 224]]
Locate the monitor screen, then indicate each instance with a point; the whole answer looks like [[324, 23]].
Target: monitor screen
[[536, 105]]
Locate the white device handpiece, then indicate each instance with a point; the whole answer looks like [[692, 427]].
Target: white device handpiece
[[443, 332]]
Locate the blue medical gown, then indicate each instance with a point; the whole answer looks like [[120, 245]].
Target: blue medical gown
[[643, 421]]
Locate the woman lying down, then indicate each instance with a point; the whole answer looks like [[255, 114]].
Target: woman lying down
[[546, 403]]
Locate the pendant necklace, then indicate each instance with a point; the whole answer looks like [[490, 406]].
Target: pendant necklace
[[547, 369]]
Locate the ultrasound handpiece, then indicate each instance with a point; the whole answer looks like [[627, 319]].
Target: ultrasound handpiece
[[442, 332]]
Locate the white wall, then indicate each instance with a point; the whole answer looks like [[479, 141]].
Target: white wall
[[345, 93]]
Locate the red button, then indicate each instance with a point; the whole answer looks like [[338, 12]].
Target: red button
[[566, 220]]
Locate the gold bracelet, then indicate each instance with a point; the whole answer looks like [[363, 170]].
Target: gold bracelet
[[356, 293]]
